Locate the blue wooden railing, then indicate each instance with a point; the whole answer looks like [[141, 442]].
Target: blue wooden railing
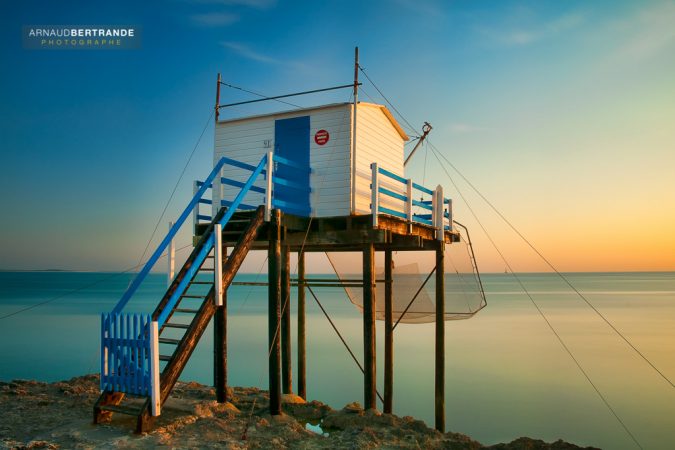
[[129, 342], [208, 245], [438, 216], [126, 347]]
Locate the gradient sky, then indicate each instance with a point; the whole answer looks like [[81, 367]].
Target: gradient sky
[[561, 112]]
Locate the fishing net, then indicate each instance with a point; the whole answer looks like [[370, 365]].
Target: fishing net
[[414, 286]]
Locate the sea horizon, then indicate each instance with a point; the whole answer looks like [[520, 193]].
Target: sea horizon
[[506, 375]]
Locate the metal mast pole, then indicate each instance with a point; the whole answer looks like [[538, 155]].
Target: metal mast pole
[[356, 101]]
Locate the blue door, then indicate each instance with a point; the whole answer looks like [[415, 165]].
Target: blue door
[[291, 141]]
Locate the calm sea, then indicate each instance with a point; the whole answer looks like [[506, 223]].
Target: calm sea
[[507, 375]]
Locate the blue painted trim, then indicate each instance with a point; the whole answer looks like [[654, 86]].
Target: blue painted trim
[[201, 183], [205, 201], [204, 217], [240, 196], [182, 286], [169, 237], [235, 163], [419, 187], [392, 175], [391, 212], [208, 245], [289, 163], [423, 205], [423, 216], [284, 204], [241, 205], [290, 184], [416, 218], [447, 215], [386, 191], [239, 184], [128, 348]]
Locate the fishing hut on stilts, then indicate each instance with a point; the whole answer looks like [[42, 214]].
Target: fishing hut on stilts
[[323, 179]]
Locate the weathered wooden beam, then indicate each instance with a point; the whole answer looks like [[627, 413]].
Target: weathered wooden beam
[[195, 330], [182, 273], [187, 345], [388, 332], [369, 300], [274, 312], [439, 395], [106, 398], [286, 368], [220, 344], [342, 237], [302, 367]]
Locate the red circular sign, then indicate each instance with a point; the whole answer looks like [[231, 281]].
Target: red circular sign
[[321, 137]]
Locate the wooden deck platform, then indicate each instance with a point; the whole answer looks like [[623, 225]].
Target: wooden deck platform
[[342, 233]]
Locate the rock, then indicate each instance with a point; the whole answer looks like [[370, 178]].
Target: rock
[[292, 398], [58, 415], [354, 407]]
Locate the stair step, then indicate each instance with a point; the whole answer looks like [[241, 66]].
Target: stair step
[[201, 282], [177, 325], [206, 269], [169, 341], [192, 296], [183, 310], [129, 410], [164, 357]]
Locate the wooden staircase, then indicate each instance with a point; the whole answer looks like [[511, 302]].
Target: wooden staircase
[[187, 320]]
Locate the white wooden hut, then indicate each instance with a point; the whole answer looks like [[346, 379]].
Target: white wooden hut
[[336, 151]]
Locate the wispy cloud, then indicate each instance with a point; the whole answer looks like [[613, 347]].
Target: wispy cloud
[[214, 19], [518, 35], [461, 127], [248, 53], [648, 33]]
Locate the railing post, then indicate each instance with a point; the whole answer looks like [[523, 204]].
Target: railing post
[[268, 191], [408, 203], [374, 197], [434, 209], [171, 259], [218, 263], [195, 210], [216, 193], [439, 213], [105, 325], [155, 405], [450, 214]]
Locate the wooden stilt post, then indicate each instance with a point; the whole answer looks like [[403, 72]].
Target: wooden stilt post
[[388, 332], [302, 368], [220, 343], [274, 312], [369, 300], [440, 338], [286, 368]]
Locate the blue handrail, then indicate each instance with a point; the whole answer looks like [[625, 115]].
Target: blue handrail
[[206, 248], [203, 186], [424, 204]]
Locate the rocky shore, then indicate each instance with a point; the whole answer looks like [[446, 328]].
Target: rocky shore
[[59, 415]]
